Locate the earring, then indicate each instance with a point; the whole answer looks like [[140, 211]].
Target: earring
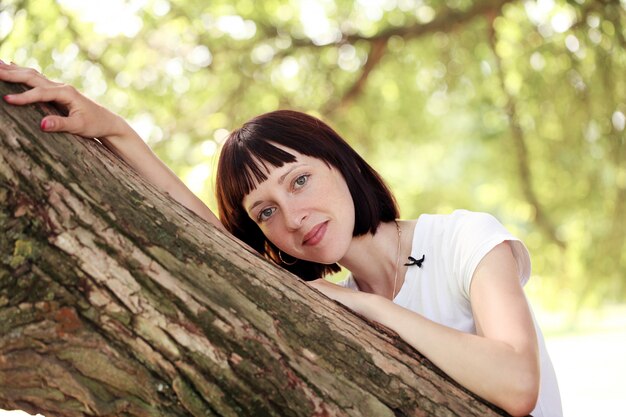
[[280, 256]]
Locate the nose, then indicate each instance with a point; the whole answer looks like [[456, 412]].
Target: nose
[[294, 217]]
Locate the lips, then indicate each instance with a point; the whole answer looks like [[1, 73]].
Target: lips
[[315, 235]]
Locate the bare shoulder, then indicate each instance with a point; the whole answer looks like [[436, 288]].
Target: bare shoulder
[[498, 302]]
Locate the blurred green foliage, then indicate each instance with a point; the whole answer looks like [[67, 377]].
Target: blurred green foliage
[[511, 107]]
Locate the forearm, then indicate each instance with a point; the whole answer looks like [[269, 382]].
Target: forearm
[[129, 146], [499, 372]]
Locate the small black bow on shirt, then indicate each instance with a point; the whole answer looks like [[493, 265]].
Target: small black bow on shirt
[[413, 261]]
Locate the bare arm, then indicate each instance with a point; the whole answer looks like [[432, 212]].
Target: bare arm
[[500, 363], [130, 147], [88, 119]]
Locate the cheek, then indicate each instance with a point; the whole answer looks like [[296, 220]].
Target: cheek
[[345, 199], [273, 233]]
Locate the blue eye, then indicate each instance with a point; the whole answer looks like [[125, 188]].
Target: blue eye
[[265, 214], [301, 180]]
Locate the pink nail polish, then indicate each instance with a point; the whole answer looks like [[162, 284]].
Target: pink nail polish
[[7, 98], [44, 125]]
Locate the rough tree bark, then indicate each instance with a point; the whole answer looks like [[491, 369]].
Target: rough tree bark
[[115, 300]]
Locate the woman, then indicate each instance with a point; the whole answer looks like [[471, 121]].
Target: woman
[[293, 189]]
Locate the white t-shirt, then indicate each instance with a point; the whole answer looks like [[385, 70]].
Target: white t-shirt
[[453, 245]]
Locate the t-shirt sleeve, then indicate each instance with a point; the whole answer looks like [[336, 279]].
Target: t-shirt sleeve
[[471, 236]]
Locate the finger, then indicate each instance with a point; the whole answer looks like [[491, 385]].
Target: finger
[[34, 95], [61, 124], [75, 124], [62, 94], [28, 76]]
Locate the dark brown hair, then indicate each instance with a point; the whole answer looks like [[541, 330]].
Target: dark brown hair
[[243, 164]]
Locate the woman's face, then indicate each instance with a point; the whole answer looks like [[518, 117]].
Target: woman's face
[[305, 209]]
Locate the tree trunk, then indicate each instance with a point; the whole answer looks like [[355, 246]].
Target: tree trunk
[[115, 300]]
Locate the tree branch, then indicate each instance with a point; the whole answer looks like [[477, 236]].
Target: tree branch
[[378, 49], [521, 150], [444, 20]]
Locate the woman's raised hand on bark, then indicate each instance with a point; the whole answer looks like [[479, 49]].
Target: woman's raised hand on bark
[[85, 117], [88, 119]]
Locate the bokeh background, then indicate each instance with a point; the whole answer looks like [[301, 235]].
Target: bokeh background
[[517, 108]]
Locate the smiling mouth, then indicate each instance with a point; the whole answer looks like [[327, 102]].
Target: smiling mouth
[[315, 235]]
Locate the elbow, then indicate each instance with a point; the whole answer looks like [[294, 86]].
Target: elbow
[[522, 399], [521, 406]]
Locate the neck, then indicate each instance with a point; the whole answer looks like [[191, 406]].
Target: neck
[[372, 258]]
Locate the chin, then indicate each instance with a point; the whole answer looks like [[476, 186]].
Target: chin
[[327, 258], [321, 260], [329, 262]]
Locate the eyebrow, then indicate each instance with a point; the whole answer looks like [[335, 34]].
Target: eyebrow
[[281, 179]]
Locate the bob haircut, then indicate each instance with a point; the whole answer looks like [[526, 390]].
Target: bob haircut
[[243, 164]]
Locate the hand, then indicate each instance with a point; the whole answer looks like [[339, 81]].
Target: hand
[[88, 119], [85, 117]]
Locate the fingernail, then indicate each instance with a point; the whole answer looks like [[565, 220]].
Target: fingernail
[[8, 97], [45, 124], [2, 62]]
